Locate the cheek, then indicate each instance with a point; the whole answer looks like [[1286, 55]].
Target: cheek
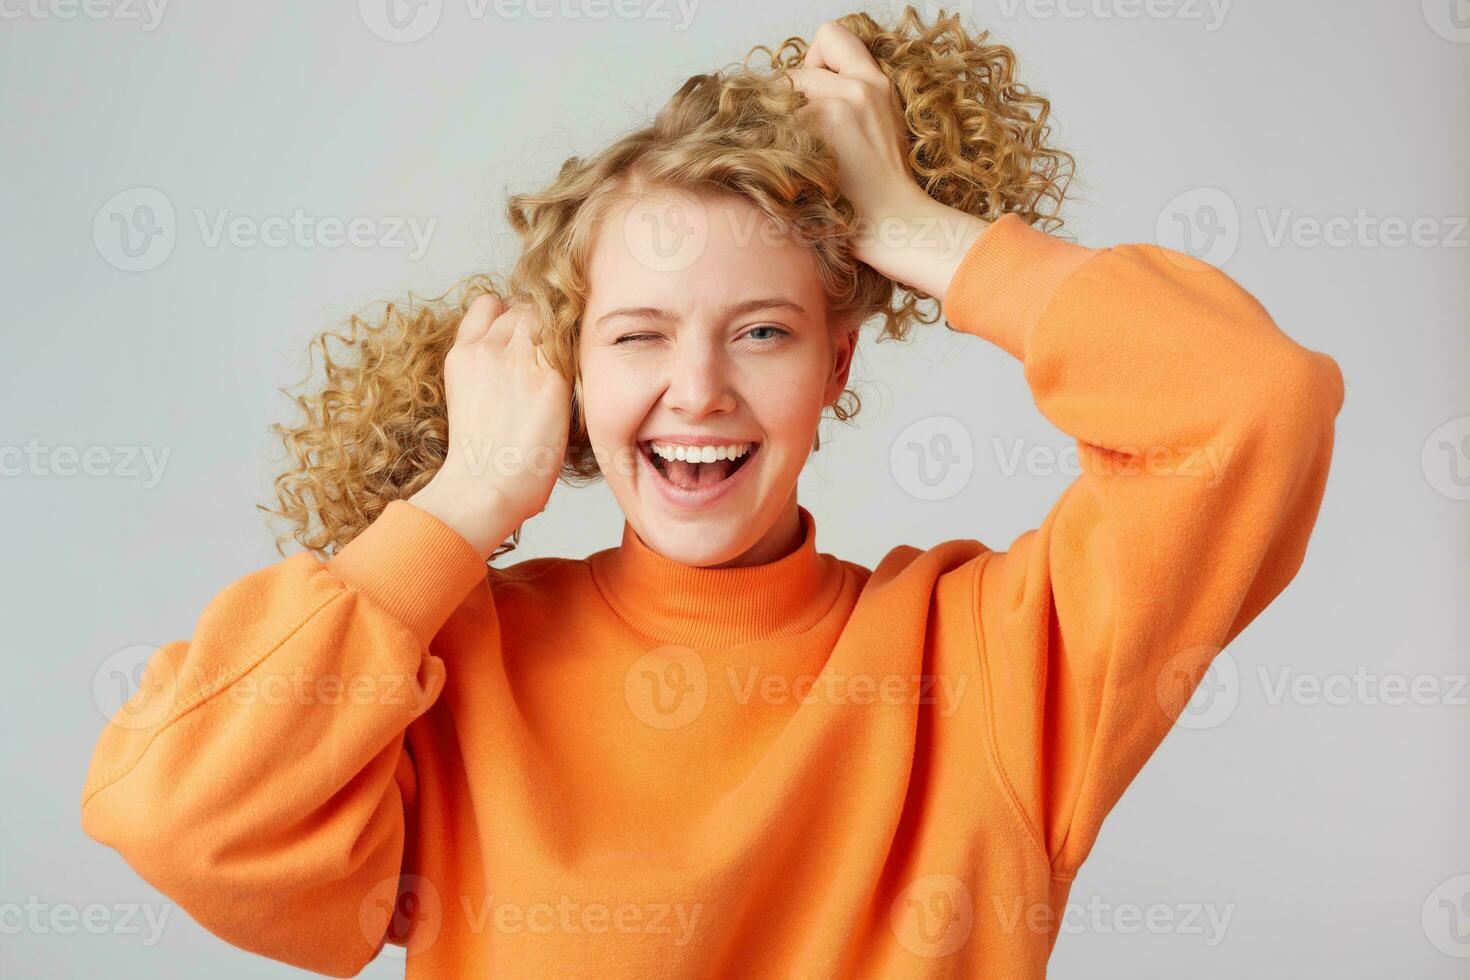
[[786, 400], [791, 424], [614, 400]]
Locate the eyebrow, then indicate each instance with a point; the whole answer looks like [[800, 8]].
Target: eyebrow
[[739, 309]]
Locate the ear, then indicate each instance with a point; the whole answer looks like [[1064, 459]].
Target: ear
[[844, 336]]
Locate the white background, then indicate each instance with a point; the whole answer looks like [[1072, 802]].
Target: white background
[[1322, 829]]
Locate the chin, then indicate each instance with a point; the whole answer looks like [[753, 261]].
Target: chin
[[696, 540]]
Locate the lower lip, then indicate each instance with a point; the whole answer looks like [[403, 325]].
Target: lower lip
[[693, 499]]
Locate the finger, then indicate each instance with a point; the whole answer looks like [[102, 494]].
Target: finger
[[819, 84], [839, 50], [522, 332], [540, 358], [525, 329], [478, 318], [508, 324]]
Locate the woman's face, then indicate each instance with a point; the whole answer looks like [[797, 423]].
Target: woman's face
[[705, 327]]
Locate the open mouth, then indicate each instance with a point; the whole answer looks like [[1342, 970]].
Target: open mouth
[[688, 475]]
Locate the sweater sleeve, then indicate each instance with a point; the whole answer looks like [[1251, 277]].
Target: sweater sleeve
[[1204, 435], [259, 776]]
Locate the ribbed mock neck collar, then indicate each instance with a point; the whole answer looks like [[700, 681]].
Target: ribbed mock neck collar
[[707, 607]]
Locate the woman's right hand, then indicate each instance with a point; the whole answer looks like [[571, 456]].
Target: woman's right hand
[[509, 412]]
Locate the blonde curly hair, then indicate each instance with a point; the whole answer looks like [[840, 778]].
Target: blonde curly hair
[[375, 429]]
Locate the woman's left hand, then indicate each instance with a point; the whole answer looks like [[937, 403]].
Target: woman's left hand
[[853, 106]]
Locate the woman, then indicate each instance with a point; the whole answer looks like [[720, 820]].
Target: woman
[[714, 750]]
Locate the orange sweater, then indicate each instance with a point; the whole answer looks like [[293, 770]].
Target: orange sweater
[[620, 766]]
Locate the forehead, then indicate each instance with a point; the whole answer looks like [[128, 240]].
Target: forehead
[[682, 251]]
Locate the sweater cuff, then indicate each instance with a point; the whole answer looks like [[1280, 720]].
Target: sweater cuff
[[411, 564], [1007, 278]]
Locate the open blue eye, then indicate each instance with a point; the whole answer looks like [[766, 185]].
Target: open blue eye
[[779, 331], [769, 326]]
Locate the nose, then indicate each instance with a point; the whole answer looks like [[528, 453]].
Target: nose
[[699, 381]]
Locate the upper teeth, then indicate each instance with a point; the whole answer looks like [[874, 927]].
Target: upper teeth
[[700, 454]]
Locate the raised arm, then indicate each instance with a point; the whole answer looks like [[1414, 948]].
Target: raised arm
[[1204, 435], [258, 776]]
